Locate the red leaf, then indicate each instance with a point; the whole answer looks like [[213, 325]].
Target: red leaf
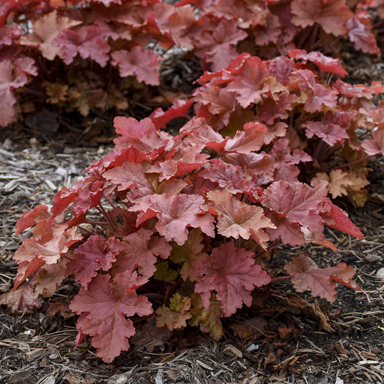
[[88, 41], [105, 308], [140, 251], [326, 64], [258, 163], [362, 37], [32, 254], [331, 15], [129, 175], [176, 213], [353, 90], [31, 218], [92, 255], [179, 109], [233, 274], [375, 146], [117, 158], [49, 277], [281, 67], [187, 160], [307, 275], [281, 151], [107, 3], [143, 63], [336, 218]]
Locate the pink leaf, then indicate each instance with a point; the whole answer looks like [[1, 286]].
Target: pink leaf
[[202, 135], [362, 37], [105, 309], [88, 41], [34, 253], [318, 95], [129, 175], [330, 133], [92, 255], [9, 33], [271, 109], [229, 177], [295, 205], [11, 77], [140, 251], [141, 134], [215, 103], [233, 274]]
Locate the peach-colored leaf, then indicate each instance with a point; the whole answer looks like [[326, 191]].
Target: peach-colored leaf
[[232, 274], [176, 315], [322, 282]]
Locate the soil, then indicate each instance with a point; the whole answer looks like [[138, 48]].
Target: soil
[[282, 338]]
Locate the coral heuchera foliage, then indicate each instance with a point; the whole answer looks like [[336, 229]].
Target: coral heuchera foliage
[[199, 207], [269, 142]]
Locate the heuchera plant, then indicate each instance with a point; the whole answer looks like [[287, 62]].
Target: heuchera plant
[[77, 55], [302, 109], [69, 51], [187, 217], [269, 28]]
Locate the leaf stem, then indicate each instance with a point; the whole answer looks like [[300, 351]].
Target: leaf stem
[[109, 201], [351, 163], [274, 245], [281, 278], [96, 222], [105, 214], [87, 230]]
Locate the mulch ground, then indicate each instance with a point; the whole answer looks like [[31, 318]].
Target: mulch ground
[[282, 338]]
